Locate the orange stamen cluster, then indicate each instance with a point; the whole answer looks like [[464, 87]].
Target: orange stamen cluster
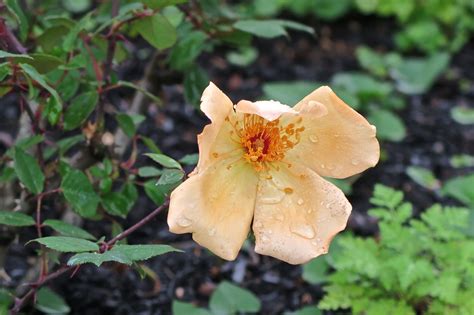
[[266, 141]]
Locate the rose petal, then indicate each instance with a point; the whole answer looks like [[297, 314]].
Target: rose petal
[[216, 205], [217, 106], [297, 213], [270, 110], [337, 141]]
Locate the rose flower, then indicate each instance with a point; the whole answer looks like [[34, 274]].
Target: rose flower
[[261, 164]]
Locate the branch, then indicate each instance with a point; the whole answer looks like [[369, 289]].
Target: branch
[[8, 39], [20, 302]]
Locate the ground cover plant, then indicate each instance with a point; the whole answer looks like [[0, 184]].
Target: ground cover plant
[[100, 112]]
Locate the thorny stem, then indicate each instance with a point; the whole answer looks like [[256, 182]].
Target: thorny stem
[[20, 302]]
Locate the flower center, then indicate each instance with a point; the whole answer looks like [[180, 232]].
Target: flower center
[[266, 141]]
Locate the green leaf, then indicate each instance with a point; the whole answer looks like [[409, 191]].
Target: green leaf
[[462, 160], [6, 54], [417, 75], [52, 110], [463, 115], [67, 229], [64, 145], [372, 61], [124, 254], [24, 144], [187, 49], [44, 63], [389, 126], [150, 144], [22, 19], [81, 107], [67, 244], [149, 171], [170, 177], [290, 92], [156, 30], [98, 259], [195, 81], [28, 171], [70, 41], [269, 28], [51, 303], [79, 192], [164, 160], [155, 193], [116, 204], [39, 78], [307, 310], [154, 98], [190, 159], [126, 123], [15, 218], [315, 271], [364, 86], [460, 188], [423, 177], [188, 309], [158, 4], [244, 57], [230, 299]]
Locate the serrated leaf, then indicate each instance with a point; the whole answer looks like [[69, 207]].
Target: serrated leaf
[[156, 30], [67, 244], [98, 259], [79, 192], [49, 302], [81, 107], [150, 144], [149, 171], [15, 219], [28, 171], [67, 229], [230, 299], [143, 252], [6, 54], [164, 160]]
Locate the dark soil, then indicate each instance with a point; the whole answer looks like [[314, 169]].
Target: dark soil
[[433, 137]]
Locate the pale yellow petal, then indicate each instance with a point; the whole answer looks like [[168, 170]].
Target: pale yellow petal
[[215, 138], [270, 110], [216, 205], [337, 141], [297, 213]]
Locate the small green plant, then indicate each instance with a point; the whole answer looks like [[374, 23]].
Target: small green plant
[[413, 266], [227, 299]]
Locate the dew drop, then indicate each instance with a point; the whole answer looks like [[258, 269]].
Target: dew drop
[[304, 230], [313, 138], [258, 224], [184, 222], [270, 232], [265, 238], [323, 166], [309, 211], [300, 201], [277, 198], [355, 162], [212, 232]]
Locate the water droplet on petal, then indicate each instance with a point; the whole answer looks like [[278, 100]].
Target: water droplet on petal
[[300, 201], [184, 222], [323, 166], [264, 238], [313, 138], [309, 211], [258, 224], [303, 229], [355, 162], [270, 232], [212, 232]]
